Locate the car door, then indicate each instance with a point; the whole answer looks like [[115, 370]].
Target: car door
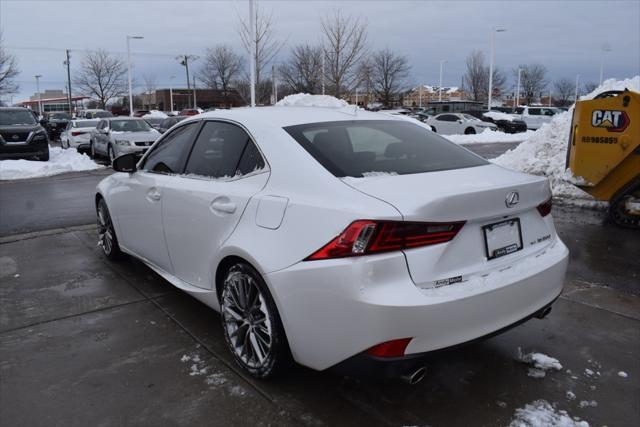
[[138, 201], [445, 124], [202, 207], [101, 136]]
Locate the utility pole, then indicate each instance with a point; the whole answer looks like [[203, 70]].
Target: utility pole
[[518, 90], [195, 104], [252, 64], [605, 48], [68, 64], [184, 60], [129, 71], [171, 91], [37, 76], [494, 30], [442, 61], [577, 86]]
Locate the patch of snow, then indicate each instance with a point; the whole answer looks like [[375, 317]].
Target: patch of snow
[[571, 395], [501, 404], [237, 390], [544, 152], [541, 363], [621, 374], [216, 379], [155, 114], [588, 372], [60, 161], [489, 136], [18, 275], [587, 403], [540, 413], [185, 358], [498, 115], [307, 100], [366, 176]]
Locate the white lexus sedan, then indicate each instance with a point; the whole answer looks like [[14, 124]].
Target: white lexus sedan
[[458, 124], [335, 238]]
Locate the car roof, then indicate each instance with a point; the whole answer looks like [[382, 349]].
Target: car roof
[[119, 118], [289, 116]]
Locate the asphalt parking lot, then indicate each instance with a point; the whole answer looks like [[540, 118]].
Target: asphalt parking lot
[[84, 341]]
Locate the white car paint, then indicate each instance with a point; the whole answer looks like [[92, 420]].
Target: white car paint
[[77, 132], [105, 139], [458, 123], [535, 116], [183, 227]]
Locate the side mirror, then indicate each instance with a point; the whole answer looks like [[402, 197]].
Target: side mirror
[[125, 163], [459, 121]]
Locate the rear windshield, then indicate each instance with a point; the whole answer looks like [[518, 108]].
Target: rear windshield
[[86, 124], [129, 126], [355, 148]]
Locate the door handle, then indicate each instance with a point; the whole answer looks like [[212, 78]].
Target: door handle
[[223, 205], [153, 195]]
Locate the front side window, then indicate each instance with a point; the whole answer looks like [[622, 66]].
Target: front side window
[[169, 155], [355, 148], [223, 150], [534, 111]]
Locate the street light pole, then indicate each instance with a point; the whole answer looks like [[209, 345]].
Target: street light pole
[[171, 91], [129, 71], [605, 48], [494, 30], [68, 64], [577, 86], [252, 35], [37, 76], [442, 61], [518, 89]]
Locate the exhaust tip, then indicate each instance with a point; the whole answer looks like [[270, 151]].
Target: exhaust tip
[[544, 312], [414, 377]]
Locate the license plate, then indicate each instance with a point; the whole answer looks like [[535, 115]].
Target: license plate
[[502, 238]]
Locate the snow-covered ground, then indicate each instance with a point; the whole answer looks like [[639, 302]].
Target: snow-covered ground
[[489, 136], [60, 161], [545, 151]]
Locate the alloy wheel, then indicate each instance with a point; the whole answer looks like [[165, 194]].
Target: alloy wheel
[[246, 319], [105, 229]]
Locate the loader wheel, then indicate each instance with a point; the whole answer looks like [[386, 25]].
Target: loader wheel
[[624, 208]]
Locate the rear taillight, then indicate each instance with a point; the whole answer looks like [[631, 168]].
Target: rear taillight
[[393, 348], [545, 208], [364, 237], [77, 133]]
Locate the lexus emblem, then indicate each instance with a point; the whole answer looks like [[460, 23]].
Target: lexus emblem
[[15, 137], [512, 199]]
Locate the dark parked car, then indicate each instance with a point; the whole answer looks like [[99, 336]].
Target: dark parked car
[[168, 122], [56, 122], [189, 112], [505, 125], [21, 136], [140, 113]]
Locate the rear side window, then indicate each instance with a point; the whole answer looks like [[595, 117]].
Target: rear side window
[[223, 150], [355, 148], [534, 111], [170, 154]]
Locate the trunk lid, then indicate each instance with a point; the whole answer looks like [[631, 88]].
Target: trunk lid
[[476, 195]]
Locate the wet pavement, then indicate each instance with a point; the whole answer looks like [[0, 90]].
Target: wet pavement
[[85, 341]]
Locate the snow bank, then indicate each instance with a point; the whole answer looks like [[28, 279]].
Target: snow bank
[[489, 136], [497, 115], [155, 114], [545, 151], [540, 413], [60, 161], [306, 100]]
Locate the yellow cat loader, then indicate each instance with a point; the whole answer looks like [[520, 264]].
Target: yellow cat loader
[[604, 152]]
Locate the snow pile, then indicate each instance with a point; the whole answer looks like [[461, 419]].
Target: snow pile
[[541, 414], [545, 151], [623, 374], [306, 100], [60, 161], [541, 363], [155, 114], [489, 136], [497, 115]]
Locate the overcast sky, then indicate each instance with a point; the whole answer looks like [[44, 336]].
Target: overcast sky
[[565, 36]]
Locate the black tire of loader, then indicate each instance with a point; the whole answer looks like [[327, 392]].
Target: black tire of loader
[[617, 210]]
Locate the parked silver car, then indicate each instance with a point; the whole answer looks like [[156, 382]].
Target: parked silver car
[[115, 136]]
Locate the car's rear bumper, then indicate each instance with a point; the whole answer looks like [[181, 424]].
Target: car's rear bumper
[[333, 310], [21, 151]]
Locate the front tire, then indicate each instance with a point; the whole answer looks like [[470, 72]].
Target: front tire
[[469, 131], [92, 150], [111, 155], [251, 325], [106, 234]]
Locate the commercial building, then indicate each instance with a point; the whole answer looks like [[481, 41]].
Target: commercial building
[[205, 98], [52, 100]]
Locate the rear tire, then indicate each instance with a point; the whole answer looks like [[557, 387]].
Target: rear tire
[[110, 155], [106, 234], [92, 150], [469, 131], [617, 206], [44, 157], [251, 324]]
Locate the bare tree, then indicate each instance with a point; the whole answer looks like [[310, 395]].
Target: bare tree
[[345, 44], [532, 80], [303, 70], [221, 67], [590, 86], [149, 88], [389, 73], [476, 77], [101, 76], [564, 91], [8, 70], [263, 46]]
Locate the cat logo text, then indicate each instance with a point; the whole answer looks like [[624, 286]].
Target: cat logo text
[[612, 120]]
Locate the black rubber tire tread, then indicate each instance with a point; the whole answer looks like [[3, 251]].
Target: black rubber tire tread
[[616, 210], [115, 254]]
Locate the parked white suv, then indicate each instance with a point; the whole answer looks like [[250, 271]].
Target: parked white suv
[[534, 117]]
